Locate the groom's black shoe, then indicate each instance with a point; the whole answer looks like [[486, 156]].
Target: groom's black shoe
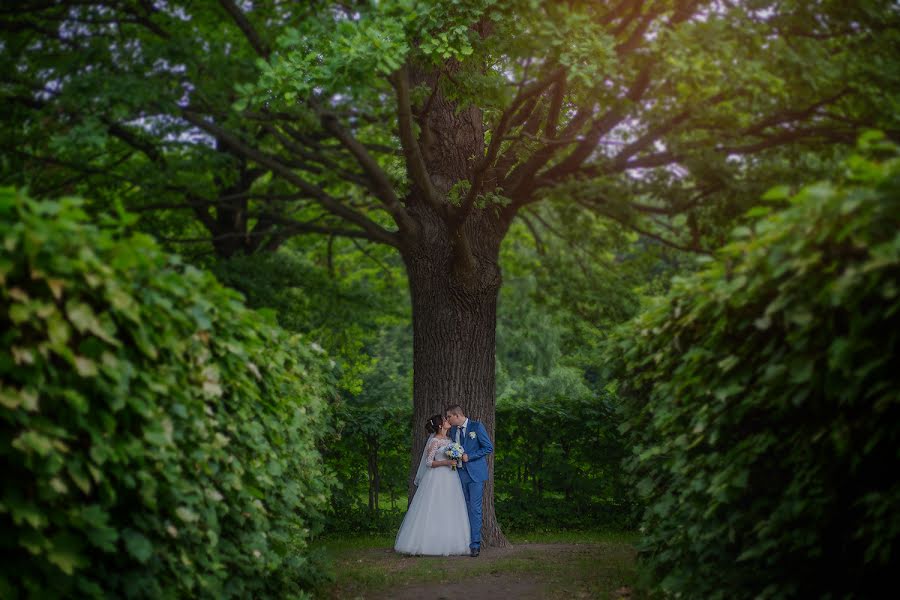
[[475, 552]]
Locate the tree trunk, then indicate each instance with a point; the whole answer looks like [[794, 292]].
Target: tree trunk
[[452, 263], [569, 479], [454, 325], [374, 477]]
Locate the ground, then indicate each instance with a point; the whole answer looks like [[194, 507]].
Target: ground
[[599, 566]]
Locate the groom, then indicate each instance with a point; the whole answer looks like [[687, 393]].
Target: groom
[[473, 471]]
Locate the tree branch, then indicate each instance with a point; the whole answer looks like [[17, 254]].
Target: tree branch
[[526, 93], [245, 26], [328, 202], [601, 127], [519, 182], [634, 40], [556, 101], [633, 13], [381, 185], [316, 156], [631, 225], [652, 135], [526, 99], [538, 241], [415, 162], [785, 137], [135, 141], [374, 259], [220, 201], [289, 229]]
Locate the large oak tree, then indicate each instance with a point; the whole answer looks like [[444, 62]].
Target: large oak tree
[[431, 126]]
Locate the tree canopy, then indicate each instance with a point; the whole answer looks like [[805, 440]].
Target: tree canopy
[[277, 119], [430, 127]]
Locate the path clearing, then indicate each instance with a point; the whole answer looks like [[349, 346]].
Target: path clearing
[[526, 571]]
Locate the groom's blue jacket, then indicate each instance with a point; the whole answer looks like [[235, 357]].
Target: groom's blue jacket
[[476, 447]]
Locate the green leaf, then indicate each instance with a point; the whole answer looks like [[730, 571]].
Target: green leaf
[[777, 193], [81, 315], [9, 398], [138, 546], [66, 552], [32, 441], [186, 514], [85, 366]]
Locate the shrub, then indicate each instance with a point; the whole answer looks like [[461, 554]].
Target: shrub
[[158, 438], [763, 402], [521, 511], [359, 520], [561, 449]]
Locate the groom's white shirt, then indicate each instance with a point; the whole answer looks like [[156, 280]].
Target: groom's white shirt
[[462, 429]]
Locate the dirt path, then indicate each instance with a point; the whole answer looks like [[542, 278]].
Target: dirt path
[[499, 586], [523, 572]]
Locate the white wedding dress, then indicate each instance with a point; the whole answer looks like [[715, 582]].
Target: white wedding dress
[[437, 522]]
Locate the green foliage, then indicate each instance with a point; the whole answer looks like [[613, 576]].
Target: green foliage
[[560, 464], [207, 117], [347, 519], [524, 512], [342, 309], [355, 51], [763, 400], [370, 455], [559, 449], [357, 312], [158, 438]]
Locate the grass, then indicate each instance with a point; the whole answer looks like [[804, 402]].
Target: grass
[[574, 537], [559, 564]]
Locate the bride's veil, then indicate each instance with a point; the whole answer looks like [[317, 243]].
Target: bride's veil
[[422, 468]]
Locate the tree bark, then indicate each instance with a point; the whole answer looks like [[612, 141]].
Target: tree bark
[[454, 322], [452, 263], [374, 477]]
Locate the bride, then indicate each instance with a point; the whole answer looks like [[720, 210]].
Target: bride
[[437, 521]]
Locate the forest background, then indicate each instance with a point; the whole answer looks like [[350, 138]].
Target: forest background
[[652, 245]]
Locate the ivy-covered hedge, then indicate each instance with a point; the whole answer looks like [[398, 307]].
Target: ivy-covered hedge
[[764, 401], [157, 438]]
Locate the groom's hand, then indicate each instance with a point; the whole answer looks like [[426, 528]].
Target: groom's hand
[[465, 458]]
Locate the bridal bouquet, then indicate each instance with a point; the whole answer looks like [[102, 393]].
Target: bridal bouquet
[[455, 452]]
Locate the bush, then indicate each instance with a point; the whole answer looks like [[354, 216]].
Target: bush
[[520, 512], [158, 438], [764, 402], [359, 520], [561, 452]]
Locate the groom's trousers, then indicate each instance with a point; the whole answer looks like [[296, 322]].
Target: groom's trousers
[[474, 493]]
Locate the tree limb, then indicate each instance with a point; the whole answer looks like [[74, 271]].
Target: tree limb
[[527, 94], [331, 204], [640, 230], [415, 162], [601, 127], [246, 27], [381, 185]]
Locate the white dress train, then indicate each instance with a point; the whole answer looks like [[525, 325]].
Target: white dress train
[[437, 522]]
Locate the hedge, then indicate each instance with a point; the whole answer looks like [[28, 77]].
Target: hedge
[[158, 438], [763, 401]]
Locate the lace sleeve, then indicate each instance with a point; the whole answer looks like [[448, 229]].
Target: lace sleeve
[[432, 451]]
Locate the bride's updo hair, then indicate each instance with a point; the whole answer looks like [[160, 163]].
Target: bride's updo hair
[[433, 425]]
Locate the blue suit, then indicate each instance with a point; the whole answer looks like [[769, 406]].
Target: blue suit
[[474, 473]]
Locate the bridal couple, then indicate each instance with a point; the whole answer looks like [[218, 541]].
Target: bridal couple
[[445, 514]]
